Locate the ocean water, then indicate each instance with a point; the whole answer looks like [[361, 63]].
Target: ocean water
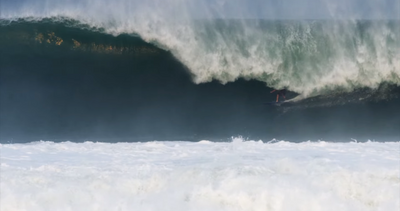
[[205, 175], [137, 103]]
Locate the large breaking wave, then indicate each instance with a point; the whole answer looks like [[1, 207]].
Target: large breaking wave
[[78, 70], [308, 57]]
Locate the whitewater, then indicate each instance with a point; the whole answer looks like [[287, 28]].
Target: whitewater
[[205, 175]]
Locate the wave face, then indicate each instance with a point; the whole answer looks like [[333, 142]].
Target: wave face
[[76, 83], [307, 57], [95, 70]]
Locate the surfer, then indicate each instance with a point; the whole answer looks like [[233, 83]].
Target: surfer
[[281, 92]]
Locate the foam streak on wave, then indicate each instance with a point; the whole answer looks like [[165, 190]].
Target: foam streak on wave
[[200, 176], [308, 57]]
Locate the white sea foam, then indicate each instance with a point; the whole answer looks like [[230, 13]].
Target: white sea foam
[[241, 175]]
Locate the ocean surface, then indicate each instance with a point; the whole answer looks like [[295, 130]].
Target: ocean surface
[[109, 105]]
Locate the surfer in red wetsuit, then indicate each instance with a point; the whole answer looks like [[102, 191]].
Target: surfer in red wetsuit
[[281, 92]]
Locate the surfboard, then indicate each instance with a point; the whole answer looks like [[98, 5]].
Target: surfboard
[[274, 103], [280, 103]]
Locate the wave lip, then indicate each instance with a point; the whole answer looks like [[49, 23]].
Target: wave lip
[[308, 57]]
